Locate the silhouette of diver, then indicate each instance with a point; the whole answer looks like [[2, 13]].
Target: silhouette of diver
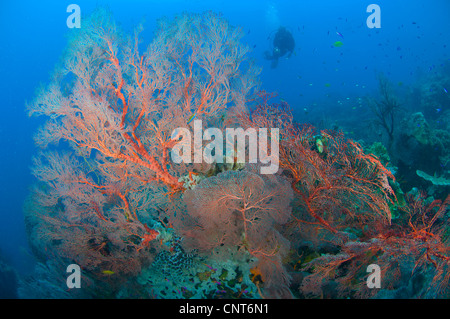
[[283, 42]]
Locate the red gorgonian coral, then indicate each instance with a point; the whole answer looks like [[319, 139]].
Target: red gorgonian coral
[[112, 106]]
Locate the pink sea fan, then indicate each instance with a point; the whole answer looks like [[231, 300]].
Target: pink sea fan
[[239, 211]]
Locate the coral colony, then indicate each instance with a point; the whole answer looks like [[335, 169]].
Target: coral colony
[[132, 187]]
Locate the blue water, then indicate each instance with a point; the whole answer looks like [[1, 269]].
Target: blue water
[[413, 39]]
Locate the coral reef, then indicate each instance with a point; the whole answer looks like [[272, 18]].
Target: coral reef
[[385, 108], [414, 257], [247, 207], [112, 109], [435, 180], [108, 198], [420, 146], [417, 127], [433, 91]]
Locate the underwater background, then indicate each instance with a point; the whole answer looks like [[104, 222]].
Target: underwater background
[[333, 80]]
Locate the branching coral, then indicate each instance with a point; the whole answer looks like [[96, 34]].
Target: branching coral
[[385, 108], [337, 188], [239, 211], [421, 245], [109, 199], [113, 107]]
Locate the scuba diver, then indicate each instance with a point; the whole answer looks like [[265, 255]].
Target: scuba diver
[[283, 42]]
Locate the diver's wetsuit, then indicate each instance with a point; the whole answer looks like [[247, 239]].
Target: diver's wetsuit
[[282, 43]]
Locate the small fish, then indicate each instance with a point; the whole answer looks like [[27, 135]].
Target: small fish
[[338, 44], [108, 272], [254, 46], [319, 145], [192, 117], [438, 110], [339, 34], [445, 90], [211, 268], [327, 85]]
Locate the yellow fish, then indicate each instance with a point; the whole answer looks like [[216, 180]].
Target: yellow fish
[[319, 145], [192, 117], [338, 44], [108, 272]]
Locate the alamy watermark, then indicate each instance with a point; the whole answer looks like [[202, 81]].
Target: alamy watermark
[[374, 19], [74, 279], [374, 278], [74, 19], [228, 149]]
